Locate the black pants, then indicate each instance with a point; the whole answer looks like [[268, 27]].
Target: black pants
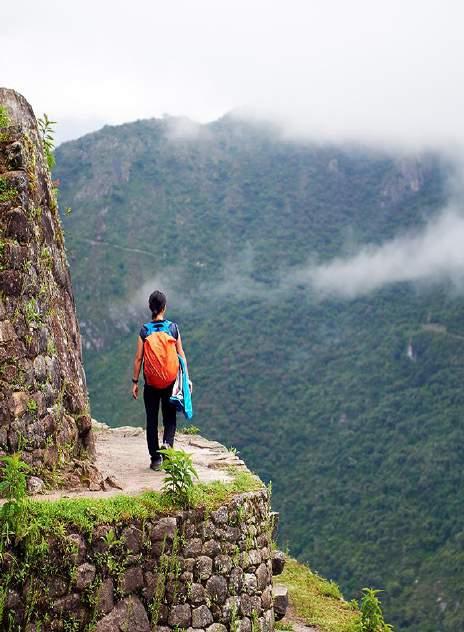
[[152, 397]]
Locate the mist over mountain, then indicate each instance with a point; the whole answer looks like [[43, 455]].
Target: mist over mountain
[[318, 291]]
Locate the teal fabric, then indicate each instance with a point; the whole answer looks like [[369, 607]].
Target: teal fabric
[[183, 398]]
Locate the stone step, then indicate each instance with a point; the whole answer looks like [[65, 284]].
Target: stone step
[[280, 601], [278, 562]]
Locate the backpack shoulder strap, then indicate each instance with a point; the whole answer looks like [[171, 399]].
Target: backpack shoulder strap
[[158, 326]]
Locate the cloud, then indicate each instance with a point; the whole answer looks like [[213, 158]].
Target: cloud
[[433, 255], [386, 72], [181, 128], [428, 256]]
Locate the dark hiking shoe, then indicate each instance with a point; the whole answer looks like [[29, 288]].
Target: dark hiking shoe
[[156, 463]]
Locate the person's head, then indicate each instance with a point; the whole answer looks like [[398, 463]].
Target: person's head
[[157, 303]]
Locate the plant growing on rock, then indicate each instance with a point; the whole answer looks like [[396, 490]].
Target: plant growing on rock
[[4, 117], [190, 430], [4, 123], [178, 483], [48, 139], [7, 192]]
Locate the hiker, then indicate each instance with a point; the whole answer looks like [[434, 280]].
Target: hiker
[[158, 346]]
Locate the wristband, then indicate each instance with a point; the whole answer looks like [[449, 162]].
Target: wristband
[[134, 381]]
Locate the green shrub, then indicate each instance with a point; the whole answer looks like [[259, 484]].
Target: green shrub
[[371, 613], [178, 484], [13, 487]]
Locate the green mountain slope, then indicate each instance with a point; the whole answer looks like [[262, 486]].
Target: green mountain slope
[[363, 445]]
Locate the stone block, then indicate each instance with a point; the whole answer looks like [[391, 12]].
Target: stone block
[[211, 548], [128, 614], [17, 226], [180, 616], [278, 562], [175, 592], [232, 534], [201, 617], [245, 625], [11, 282], [193, 548], [69, 603], [223, 564], [254, 557], [280, 601], [57, 586], [19, 401], [203, 568], [133, 538], [216, 589], [104, 601], [266, 598], [85, 574], [236, 576], [230, 609], [262, 577], [131, 580], [250, 583], [250, 604], [197, 594], [35, 485], [220, 516], [188, 564], [15, 157], [7, 331], [164, 529], [150, 585]]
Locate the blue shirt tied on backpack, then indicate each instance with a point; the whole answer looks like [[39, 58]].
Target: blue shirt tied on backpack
[[181, 396]]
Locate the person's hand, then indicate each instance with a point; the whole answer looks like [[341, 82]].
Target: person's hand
[[191, 386], [135, 391]]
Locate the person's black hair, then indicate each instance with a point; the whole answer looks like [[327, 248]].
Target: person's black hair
[[156, 302]]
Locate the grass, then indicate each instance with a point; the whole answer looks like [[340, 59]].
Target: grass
[[190, 430], [86, 513], [316, 600]]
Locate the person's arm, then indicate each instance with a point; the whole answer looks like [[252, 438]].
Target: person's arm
[[181, 352], [138, 359]]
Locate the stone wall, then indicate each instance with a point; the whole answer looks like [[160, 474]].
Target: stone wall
[[188, 571], [43, 400]]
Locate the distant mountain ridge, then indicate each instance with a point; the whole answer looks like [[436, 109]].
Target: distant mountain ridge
[[361, 442]]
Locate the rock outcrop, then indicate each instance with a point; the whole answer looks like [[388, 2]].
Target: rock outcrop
[[44, 409]]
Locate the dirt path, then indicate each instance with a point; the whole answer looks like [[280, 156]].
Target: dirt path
[[122, 455], [297, 623]]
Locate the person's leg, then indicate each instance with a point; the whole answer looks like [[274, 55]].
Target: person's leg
[[151, 398], [169, 417]]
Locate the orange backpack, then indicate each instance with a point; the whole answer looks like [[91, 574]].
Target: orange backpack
[[160, 360]]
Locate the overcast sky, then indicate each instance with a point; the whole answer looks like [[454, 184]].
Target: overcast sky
[[384, 71]]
